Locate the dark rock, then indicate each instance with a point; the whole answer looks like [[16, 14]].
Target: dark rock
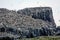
[[44, 13], [6, 38], [29, 22], [57, 31], [2, 29], [58, 28]]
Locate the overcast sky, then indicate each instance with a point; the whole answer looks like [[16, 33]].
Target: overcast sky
[[20, 4]]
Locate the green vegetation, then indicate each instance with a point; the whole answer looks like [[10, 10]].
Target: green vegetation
[[43, 38]]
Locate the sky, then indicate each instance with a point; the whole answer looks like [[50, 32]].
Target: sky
[[21, 4]]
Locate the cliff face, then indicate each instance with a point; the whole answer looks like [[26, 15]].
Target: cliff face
[[28, 22], [29, 17], [44, 13]]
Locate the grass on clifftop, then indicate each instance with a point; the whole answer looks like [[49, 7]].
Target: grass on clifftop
[[43, 38]]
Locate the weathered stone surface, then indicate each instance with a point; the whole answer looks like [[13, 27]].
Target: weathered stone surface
[[6, 38], [29, 22], [44, 13], [57, 31]]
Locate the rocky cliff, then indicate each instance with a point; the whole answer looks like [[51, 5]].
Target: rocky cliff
[[44, 13], [28, 22]]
